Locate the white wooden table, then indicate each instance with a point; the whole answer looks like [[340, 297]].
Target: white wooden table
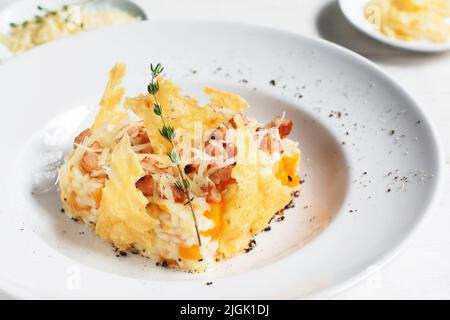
[[422, 271]]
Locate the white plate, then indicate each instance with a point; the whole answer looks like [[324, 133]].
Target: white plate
[[26, 9], [333, 95], [354, 10]]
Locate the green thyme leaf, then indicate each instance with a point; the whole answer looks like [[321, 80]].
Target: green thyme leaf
[[13, 25], [187, 184], [179, 185], [157, 109], [157, 70], [167, 132], [173, 156], [153, 87]]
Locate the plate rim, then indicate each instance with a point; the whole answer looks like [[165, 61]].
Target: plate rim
[[326, 292]]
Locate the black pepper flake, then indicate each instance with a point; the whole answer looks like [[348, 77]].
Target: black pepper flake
[[62, 210], [209, 283], [289, 178], [74, 219], [392, 132], [267, 229], [273, 83], [244, 81], [418, 122], [279, 219], [122, 253], [290, 205], [388, 190], [251, 246], [365, 172], [200, 260], [296, 193]]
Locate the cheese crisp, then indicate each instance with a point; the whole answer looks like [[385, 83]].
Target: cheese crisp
[[184, 184]]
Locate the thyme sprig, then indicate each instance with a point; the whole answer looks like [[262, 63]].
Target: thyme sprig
[[45, 13], [168, 132]]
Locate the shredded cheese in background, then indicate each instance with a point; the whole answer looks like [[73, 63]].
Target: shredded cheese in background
[[55, 24], [411, 20]]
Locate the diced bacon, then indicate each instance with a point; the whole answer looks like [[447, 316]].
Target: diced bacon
[[190, 168], [81, 136], [213, 195], [178, 195], [145, 184], [139, 136], [244, 119], [227, 150], [270, 144], [221, 175], [89, 162], [284, 126]]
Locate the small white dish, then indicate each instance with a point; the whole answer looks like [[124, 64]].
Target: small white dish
[[371, 161], [354, 10]]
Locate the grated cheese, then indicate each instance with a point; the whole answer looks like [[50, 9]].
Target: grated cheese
[[411, 20], [53, 25]]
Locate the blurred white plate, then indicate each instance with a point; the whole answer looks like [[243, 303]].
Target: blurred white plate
[[23, 10], [371, 161], [354, 10]]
